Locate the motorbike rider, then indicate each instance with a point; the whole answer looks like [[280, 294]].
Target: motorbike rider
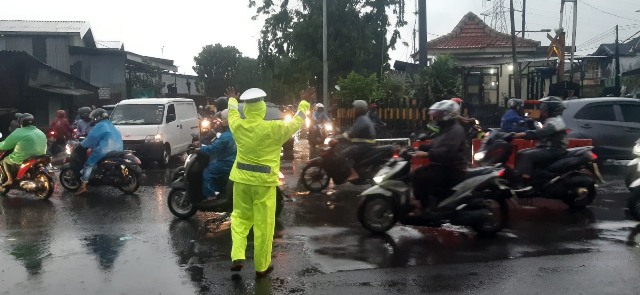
[[222, 153], [14, 124], [26, 142], [374, 116], [362, 135], [102, 139], [221, 103], [255, 173], [466, 122], [552, 142], [512, 121], [447, 165], [83, 124], [61, 127], [319, 115]]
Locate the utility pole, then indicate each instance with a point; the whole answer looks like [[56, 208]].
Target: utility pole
[[422, 29], [524, 15], [516, 66], [573, 36], [325, 64], [617, 93]]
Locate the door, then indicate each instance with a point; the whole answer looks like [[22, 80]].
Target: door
[[188, 117], [599, 122], [630, 112], [172, 129]]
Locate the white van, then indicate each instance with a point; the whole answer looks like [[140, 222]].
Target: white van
[[156, 128]]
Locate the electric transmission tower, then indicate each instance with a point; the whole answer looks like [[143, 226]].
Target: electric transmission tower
[[498, 14]]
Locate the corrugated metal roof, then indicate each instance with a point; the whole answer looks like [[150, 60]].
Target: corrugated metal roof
[[110, 44], [32, 26]]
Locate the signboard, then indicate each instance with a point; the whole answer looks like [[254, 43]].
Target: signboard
[[104, 93]]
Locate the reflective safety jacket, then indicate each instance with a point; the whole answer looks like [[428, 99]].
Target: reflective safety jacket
[[259, 142]]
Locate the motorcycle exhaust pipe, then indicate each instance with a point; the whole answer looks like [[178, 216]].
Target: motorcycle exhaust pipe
[[28, 185]]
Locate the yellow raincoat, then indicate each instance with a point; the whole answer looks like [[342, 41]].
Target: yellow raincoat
[[255, 175]]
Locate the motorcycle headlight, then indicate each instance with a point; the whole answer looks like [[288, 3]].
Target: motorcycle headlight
[[328, 127], [307, 122], [636, 149], [479, 156], [205, 124], [378, 179], [288, 118], [68, 149]]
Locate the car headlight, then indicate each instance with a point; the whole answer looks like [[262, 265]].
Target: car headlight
[[378, 179], [479, 156], [154, 138], [328, 127], [636, 149]]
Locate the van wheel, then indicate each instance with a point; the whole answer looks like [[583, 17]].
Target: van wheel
[[166, 157]]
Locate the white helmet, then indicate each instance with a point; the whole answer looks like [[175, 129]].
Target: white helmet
[[253, 95], [444, 110], [224, 116], [319, 105]]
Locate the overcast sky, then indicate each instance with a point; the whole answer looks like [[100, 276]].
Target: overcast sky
[[183, 27]]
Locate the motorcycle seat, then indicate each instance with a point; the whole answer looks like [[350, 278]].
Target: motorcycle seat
[[379, 153], [473, 172], [116, 154], [577, 151], [40, 157], [567, 163]]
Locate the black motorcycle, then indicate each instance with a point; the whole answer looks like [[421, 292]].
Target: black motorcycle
[[118, 169], [479, 201], [332, 165], [186, 198], [571, 178]]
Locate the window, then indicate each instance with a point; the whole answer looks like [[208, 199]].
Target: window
[[171, 113], [631, 112], [138, 114], [599, 112]]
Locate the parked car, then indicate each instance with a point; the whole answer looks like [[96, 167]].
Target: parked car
[[109, 108], [157, 128], [613, 123]]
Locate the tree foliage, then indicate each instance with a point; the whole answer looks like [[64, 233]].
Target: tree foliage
[[357, 87], [441, 80], [291, 42], [216, 67]]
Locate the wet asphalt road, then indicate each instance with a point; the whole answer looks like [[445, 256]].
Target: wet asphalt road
[[110, 243]]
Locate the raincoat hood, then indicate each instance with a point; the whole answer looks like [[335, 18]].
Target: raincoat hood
[[60, 114], [255, 110]]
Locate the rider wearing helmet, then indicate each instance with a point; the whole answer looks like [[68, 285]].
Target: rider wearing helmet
[[446, 154], [14, 124], [319, 115], [512, 121], [62, 127], [221, 103], [102, 139], [222, 154], [551, 138], [84, 122], [26, 142], [375, 116], [255, 173], [362, 136]]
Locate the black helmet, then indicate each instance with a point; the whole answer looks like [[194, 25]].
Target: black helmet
[[84, 112], [552, 105], [17, 115], [515, 103], [99, 114], [221, 103], [26, 119]]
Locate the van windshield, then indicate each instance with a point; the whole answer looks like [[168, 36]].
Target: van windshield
[[138, 114]]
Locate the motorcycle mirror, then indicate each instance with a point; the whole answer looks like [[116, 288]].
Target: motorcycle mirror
[[538, 125], [0, 134]]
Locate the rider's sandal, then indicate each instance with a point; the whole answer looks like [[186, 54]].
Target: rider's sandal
[[265, 273], [236, 265]]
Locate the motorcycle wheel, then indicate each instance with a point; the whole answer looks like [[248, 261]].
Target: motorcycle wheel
[[497, 221], [377, 213], [133, 185], [3, 178], [279, 201], [315, 178], [47, 185], [580, 197], [68, 180], [180, 204], [634, 204]]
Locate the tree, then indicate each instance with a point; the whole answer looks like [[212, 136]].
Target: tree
[[439, 81], [216, 67], [357, 31], [247, 74], [357, 87]]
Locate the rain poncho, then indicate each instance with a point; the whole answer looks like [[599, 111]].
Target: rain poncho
[[223, 153], [103, 139], [512, 122], [255, 176], [26, 142]]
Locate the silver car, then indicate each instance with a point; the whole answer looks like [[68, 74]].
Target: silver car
[[613, 123]]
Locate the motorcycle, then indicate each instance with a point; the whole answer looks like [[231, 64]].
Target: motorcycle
[[318, 132], [479, 201], [632, 180], [572, 178], [118, 169], [330, 165], [33, 176], [186, 198]]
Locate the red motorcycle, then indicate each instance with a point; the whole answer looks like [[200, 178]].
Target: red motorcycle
[[33, 176]]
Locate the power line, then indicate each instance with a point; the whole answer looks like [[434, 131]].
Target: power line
[[609, 13]]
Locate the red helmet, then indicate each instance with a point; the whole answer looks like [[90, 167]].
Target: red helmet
[[457, 100]]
